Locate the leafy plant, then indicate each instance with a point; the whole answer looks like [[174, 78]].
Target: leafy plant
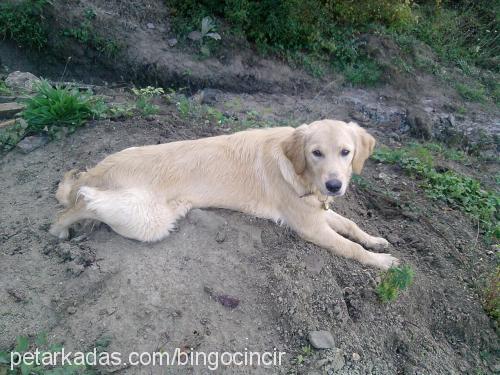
[[10, 136], [208, 31], [60, 110], [24, 22], [40, 342], [144, 97], [4, 90], [393, 281], [456, 190]]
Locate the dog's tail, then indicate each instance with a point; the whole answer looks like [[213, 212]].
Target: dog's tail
[[65, 187]]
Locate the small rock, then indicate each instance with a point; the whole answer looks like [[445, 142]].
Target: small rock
[[7, 123], [209, 96], [22, 81], [150, 26], [321, 339], [395, 240], [220, 236], [420, 123], [337, 360], [172, 42], [18, 295], [195, 36], [356, 357], [71, 310], [31, 143], [10, 109]]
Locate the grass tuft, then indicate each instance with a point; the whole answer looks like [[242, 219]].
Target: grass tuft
[[394, 280], [56, 111]]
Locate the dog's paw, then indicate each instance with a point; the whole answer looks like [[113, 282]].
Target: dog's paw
[[61, 233], [378, 243], [385, 261]]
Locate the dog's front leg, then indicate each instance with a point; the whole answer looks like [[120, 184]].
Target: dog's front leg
[[313, 226], [349, 229]]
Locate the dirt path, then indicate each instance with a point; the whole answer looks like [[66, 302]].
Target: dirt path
[[227, 281]]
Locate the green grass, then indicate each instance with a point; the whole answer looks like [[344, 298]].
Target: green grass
[[455, 189], [4, 90], [24, 22], [86, 35], [25, 344], [393, 281], [56, 111], [475, 93]]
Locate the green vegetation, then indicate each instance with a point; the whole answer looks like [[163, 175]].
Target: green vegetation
[[4, 90], [394, 280], [24, 22], [453, 188], [326, 33], [491, 301], [471, 93], [144, 97], [86, 35], [40, 342], [60, 110]]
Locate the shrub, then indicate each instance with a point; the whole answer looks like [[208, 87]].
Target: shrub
[[24, 22], [394, 280], [58, 110]]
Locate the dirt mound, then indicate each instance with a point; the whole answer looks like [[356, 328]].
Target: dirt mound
[[146, 297]]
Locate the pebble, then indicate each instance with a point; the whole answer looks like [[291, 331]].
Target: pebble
[[31, 143], [194, 35], [321, 339], [356, 357], [172, 42], [71, 310], [150, 26]]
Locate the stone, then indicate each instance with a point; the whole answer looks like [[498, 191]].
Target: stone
[[209, 96], [356, 357], [71, 310], [31, 143], [195, 36], [7, 123], [10, 109], [150, 26], [321, 339], [337, 360], [419, 122], [172, 42], [22, 81]]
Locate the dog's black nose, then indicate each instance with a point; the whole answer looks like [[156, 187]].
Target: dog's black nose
[[333, 185]]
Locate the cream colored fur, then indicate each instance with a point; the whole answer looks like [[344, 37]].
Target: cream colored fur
[[271, 173]]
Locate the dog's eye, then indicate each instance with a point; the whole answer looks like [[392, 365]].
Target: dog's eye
[[345, 152], [317, 153]]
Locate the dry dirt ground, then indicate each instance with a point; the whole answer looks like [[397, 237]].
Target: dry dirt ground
[[225, 281], [182, 292]]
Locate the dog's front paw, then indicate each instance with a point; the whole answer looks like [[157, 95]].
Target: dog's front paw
[[385, 261], [378, 243], [61, 233]]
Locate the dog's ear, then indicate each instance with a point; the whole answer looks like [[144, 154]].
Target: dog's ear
[[365, 144], [293, 148]]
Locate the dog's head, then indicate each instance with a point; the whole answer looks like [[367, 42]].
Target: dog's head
[[325, 153]]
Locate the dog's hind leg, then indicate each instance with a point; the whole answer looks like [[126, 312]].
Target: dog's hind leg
[[134, 213]]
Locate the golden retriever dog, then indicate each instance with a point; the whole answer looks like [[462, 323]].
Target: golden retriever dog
[[284, 174]]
